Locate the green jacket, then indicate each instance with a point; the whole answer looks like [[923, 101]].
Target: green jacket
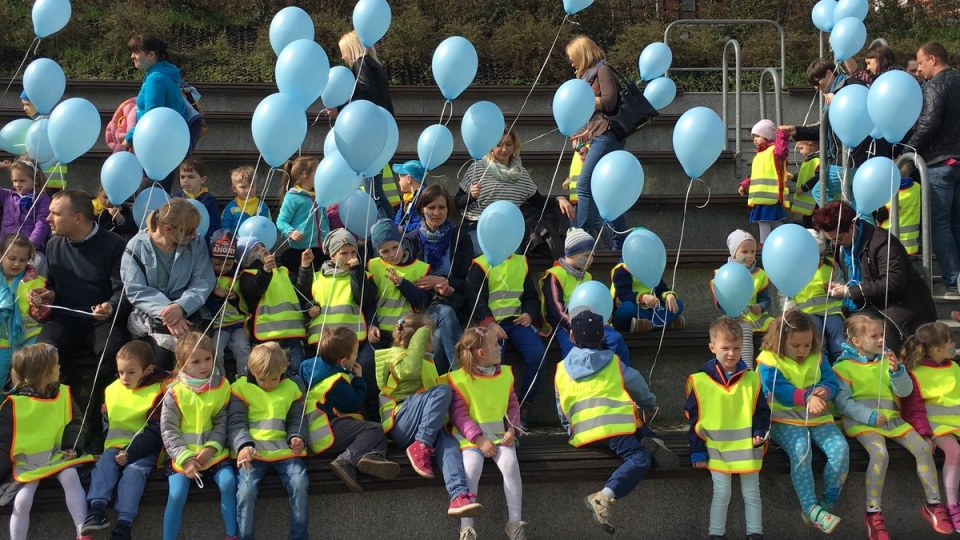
[[407, 364]]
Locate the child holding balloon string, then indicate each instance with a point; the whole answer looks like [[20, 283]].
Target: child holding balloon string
[[765, 186], [639, 307], [25, 207], [116, 218], [19, 319], [300, 221], [193, 176]]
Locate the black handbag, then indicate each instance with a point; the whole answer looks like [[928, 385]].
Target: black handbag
[[633, 110]]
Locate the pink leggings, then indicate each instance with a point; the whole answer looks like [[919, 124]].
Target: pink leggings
[[951, 465]]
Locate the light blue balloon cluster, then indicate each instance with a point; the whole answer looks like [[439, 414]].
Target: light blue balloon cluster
[[44, 83], [161, 141], [339, 87], [120, 176], [848, 114], [358, 213], [894, 103], [847, 37], [38, 143], [288, 25], [334, 180], [733, 288], [874, 184], [573, 105], [261, 228], [616, 183], [454, 66], [500, 231], [857, 9], [301, 71], [822, 14], [481, 128], [389, 146], [50, 16], [360, 132], [790, 258], [645, 256], [698, 140], [371, 20], [593, 295]]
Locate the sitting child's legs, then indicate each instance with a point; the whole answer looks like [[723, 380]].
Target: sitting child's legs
[[353, 439], [794, 441], [226, 481], [506, 460], [473, 468], [76, 497], [130, 488], [103, 478], [876, 446], [951, 466], [926, 468], [176, 499], [624, 315], [20, 517], [450, 461], [293, 476], [752, 508], [248, 483], [720, 502], [636, 463], [834, 445], [527, 341], [421, 416], [240, 347]]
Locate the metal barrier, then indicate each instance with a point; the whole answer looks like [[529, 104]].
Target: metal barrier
[[737, 99], [777, 100]]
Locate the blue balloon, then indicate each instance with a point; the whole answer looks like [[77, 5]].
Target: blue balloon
[[847, 37], [334, 180], [591, 295], [822, 15], [655, 60], [874, 184], [360, 132], [329, 144], [302, 70], [261, 228], [894, 102], [37, 143], [454, 66], [204, 225], [389, 146], [50, 16], [435, 146], [161, 141], [74, 129], [645, 256], [482, 128], [500, 231], [572, 7], [339, 87], [698, 140], [358, 213], [733, 288], [288, 25], [848, 114], [573, 105], [13, 136], [120, 176], [147, 201], [616, 183], [660, 92], [371, 19], [876, 133], [856, 9], [44, 83], [790, 258], [279, 126]]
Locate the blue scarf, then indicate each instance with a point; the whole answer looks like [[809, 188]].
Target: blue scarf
[[852, 264], [436, 244], [10, 322]]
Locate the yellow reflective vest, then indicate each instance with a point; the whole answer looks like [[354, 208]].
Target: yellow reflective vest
[[765, 181], [334, 295], [813, 298], [576, 165], [726, 421], [487, 398], [598, 407], [231, 315], [320, 435], [567, 284], [267, 416], [56, 176], [38, 426], [801, 375], [31, 328], [197, 411], [391, 303], [940, 389], [870, 384], [278, 314], [909, 218], [639, 288], [128, 410], [504, 285], [803, 204]]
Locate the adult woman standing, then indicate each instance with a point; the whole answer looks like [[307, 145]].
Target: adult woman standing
[[878, 60], [438, 242], [589, 65]]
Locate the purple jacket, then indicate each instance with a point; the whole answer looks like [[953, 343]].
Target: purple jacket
[[30, 223]]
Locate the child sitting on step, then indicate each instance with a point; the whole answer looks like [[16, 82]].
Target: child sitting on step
[[825, 311], [640, 308], [394, 273]]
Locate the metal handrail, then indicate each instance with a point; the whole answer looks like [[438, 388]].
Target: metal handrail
[[926, 237], [738, 97], [777, 101], [727, 22]]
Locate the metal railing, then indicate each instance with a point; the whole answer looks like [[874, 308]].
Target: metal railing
[[926, 237], [777, 99]]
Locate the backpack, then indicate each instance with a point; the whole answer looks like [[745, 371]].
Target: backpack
[[192, 97], [123, 119]]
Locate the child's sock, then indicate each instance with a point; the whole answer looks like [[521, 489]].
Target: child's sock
[[608, 493]]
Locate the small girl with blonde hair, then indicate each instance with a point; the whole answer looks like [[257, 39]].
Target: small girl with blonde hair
[[485, 413], [39, 417], [300, 221], [931, 408], [25, 207]]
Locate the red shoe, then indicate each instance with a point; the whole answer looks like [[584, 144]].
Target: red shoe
[[419, 456], [954, 511], [876, 528], [936, 515], [465, 505]]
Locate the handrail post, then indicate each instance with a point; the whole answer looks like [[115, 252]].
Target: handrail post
[[737, 96], [926, 236], [778, 105]]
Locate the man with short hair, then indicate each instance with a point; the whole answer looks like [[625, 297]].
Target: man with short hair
[[936, 138]]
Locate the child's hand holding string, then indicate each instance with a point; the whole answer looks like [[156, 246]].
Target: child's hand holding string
[[893, 360], [121, 458], [816, 405], [245, 457], [69, 454], [203, 457], [192, 470], [488, 448], [881, 420], [509, 438], [296, 445]]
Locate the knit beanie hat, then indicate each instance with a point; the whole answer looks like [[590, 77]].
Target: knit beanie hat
[[245, 245], [222, 244], [578, 241], [587, 328], [736, 238], [383, 231], [766, 129], [336, 239]]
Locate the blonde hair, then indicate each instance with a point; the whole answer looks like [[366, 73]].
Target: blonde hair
[[725, 328], [177, 213], [30, 168], [351, 49], [583, 54], [34, 366], [242, 173], [296, 169], [793, 321], [408, 325], [19, 240], [918, 346], [857, 325], [470, 341], [267, 359], [513, 137], [189, 343]]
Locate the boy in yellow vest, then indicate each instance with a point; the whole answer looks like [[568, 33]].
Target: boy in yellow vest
[[131, 413], [801, 199], [909, 215], [335, 401], [725, 397], [224, 307], [264, 399], [597, 397], [825, 311]]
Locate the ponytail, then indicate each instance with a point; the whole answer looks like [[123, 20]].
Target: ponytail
[[928, 336]]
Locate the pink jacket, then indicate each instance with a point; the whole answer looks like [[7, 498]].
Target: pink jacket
[[912, 408], [124, 118], [460, 415]]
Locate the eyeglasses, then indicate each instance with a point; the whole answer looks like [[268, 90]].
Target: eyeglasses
[[816, 81]]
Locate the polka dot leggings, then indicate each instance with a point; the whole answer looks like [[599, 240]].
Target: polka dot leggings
[[876, 446], [795, 441]]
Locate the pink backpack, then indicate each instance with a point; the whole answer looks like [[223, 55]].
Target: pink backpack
[[123, 119]]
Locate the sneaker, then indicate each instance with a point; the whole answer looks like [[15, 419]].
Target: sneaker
[[954, 511], [419, 456], [121, 531], [602, 508], [525, 416], [936, 515], [468, 533], [662, 456], [677, 324], [379, 466], [640, 326], [515, 530], [96, 521], [465, 505], [821, 519], [345, 471], [876, 528]]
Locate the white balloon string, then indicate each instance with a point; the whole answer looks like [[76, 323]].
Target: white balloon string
[[540, 73], [36, 41], [542, 135], [61, 308]]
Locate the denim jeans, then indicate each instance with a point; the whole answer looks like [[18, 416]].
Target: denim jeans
[[588, 217], [752, 509], [945, 220], [833, 337], [526, 340], [660, 316], [374, 186], [237, 339], [129, 481], [445, 335], [294, 349], [612, 340], [293, 476], [226, 480], [636, 463]]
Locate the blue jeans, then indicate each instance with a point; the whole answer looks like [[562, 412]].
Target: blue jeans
[[794, 441], [293, 476], [945, 220], [612, 340], [588, 217], [374, 186], [833, 338], [660, 316], [636, 463], [226, 481], [445, 335], [128, 480], [526, 340], [294, 349]]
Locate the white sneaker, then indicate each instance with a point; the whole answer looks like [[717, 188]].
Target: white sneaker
[[468, 533], [515, 530]]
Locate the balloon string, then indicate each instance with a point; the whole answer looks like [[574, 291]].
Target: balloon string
[[356, 81], [554, 130], [61, 308], [36, 40], [540, 73]]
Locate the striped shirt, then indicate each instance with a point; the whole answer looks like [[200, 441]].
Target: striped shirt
[[493, 189]]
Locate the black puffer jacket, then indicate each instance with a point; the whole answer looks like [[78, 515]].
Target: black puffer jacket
[[372, 83], [937, 133]]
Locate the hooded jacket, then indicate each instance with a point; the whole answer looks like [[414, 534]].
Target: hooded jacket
[[30, 221], [160, 88], [345, 397], [191, 276]]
